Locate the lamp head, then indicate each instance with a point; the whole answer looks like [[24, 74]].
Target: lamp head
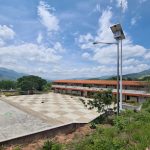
[[118, 32]]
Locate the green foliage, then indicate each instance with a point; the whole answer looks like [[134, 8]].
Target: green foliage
[[49, 145], [120, 123], [93, 125], [146, 104], [17, 148], [2, 147], [102, 139], [7, 85], [146, 78], [26, 83], [99, 119], [102, 99], [47, 87], [131, 131], [10, 93]]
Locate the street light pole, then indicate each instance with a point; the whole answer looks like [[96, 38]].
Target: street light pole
[[121, 75], [118, 77]]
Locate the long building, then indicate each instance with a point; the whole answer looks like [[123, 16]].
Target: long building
[[132, 90]]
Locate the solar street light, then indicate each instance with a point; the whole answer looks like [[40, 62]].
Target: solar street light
[[119, 36]]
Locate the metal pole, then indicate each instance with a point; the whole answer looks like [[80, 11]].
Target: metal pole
[[117, 77], [121, 77]]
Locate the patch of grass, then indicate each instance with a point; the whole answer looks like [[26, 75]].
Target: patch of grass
[[17, 148], [11, 93], [49, 145]]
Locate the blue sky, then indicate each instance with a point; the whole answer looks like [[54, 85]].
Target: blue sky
[[53, 38]]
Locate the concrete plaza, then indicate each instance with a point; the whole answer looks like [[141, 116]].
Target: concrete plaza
[[27, 114]]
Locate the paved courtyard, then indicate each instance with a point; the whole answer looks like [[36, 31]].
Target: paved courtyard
[[33, 113]]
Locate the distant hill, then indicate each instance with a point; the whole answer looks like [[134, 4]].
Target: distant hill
[[138, 75], [7, 74], [134, 76], [131, 76], [100, 78]]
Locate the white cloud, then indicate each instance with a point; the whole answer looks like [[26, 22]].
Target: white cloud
[[6, 33], [142, 1], [123, 4], [47, 18], [39, 38], [106, 55], [86, 56], [147, 55], [85, 38], [133, 21], [91, 71], [58, 47], [86, 41], [97, 8], [104, 33], [28, 54], [2, 42]]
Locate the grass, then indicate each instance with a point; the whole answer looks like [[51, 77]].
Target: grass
[[130, 131]]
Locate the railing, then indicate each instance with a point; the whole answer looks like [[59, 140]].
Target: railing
[[131, 107], [98, 89]]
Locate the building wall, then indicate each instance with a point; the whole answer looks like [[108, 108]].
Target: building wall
[[80, 91]]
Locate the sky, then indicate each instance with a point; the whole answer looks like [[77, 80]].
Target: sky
[[53, 39]]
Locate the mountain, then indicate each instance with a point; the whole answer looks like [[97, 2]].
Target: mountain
[[131, 76], [134, 76], [7, 74], [138, 75], [101, 78]]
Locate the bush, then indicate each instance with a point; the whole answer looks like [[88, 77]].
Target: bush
[[99, 119], [93, 125], [49, 145], [120, 123], [146, 104], [17, 148]]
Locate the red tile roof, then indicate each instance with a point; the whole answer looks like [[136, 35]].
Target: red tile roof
[[101, 82]]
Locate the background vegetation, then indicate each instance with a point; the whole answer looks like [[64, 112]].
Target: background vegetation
[[26, 84]]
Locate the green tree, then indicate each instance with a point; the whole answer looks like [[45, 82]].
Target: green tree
[[101, 101], [47, 87], [31, 82], [7, 85]]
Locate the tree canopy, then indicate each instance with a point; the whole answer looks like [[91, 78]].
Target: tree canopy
[[101, 101], [7, 85], [31, 82]]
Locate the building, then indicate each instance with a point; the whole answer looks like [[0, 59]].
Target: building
[[132, 90]]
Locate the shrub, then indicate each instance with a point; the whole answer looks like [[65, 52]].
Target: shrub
[[93, 125], [120, 123], [146, 104], [49, 145], [17, 148]]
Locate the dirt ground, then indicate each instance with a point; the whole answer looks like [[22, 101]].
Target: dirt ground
[[62, 138]]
